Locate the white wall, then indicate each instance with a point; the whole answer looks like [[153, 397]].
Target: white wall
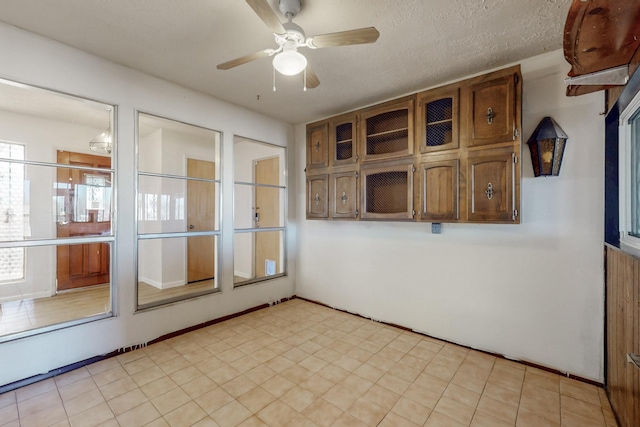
[[533, 292], [32, 59]]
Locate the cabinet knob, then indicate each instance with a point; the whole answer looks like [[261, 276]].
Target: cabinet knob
[[317, 199], [344, 198], [489, 191], [490, 115], [317, 145]]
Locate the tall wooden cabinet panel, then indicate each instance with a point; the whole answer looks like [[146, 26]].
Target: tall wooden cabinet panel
[[438, 120], [387, 191], [492, 109], [491, 186], [439, 189], [317, 196], [344, 195], [318, 145], [387, 132], [343, 140]]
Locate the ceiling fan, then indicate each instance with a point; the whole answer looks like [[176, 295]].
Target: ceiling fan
[[290, 37]]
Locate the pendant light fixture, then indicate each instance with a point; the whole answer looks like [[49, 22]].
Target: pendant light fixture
[[103, 141]]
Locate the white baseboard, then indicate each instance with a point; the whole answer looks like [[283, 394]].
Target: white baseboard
[[161, 285]]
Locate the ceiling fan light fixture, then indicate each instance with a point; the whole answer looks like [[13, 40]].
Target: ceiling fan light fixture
[[289, 62]]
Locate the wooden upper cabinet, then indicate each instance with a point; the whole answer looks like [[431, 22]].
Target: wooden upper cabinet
[[387, 132], [344, 195], [439, 190], [343, 136], [438, 120], [491, 187], [317, 196], [492, 116], [318, 145], [464, 139]]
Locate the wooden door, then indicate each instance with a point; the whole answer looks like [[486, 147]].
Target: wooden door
[[344, 201], [318, 146], [439, 190], [317, 196], [84, 264], [200, 217], [493, 110], [267, 214], [491, 187]]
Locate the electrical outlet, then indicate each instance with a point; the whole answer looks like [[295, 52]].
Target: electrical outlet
[[436, 228]]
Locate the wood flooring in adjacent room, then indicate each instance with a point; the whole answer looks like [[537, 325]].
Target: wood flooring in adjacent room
[[301, 364]]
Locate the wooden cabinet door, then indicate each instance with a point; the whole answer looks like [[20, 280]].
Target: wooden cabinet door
[[492, 110], [81, 265], [317, 196], [439, 190], [491, 187], [318, 146], [438, 120], [344, 191], [387, 192], [387, 132], [344, 150]]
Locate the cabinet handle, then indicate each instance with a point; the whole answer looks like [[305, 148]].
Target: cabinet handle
[[490, 115], [317, 199], [489, 191], [344, 198], [317, 145]]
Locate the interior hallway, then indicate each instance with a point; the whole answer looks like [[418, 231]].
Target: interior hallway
[[301, 364]]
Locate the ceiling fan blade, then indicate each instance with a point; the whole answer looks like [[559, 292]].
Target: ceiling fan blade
[[244, 59], [268, 16], [312, 79], [345, 38]]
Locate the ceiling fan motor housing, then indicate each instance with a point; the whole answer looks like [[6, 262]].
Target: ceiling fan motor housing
[[289, 8]]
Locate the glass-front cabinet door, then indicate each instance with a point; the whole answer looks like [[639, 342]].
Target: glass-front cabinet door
[[438, 120]]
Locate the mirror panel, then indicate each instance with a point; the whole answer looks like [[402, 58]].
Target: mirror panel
[[258, 255], [260, 196], [164, 147], [172, 205], [173, 269], [178, 195], [56, 183]]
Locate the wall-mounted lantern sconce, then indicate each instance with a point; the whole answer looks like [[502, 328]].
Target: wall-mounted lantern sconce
[[547, 147]]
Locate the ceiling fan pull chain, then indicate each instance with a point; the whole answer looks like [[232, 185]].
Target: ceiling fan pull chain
[[304, 89], [274, 79]]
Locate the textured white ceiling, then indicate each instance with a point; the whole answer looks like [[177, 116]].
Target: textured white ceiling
[[422, 43]]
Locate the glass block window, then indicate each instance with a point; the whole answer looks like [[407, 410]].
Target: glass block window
[[12, 211]]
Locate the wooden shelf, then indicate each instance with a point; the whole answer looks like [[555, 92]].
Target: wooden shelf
[[395, 133], [345, 141], [439, 122]]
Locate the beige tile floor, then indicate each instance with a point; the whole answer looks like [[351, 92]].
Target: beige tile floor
[[301, 364]]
